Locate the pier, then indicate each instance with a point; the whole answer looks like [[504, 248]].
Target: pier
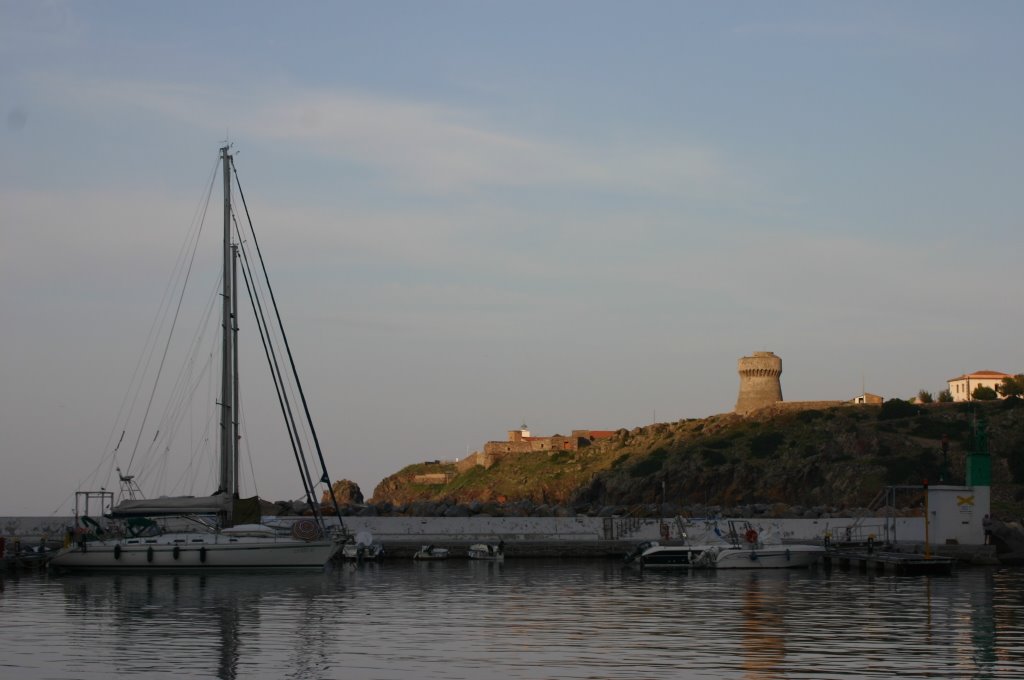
[[885, 562]]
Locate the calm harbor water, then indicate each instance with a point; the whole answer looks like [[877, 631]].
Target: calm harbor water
[[520, 619]]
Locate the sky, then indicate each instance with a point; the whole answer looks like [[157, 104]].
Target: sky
[[577, 214]]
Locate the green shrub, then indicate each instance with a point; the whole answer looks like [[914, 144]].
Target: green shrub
[[649, 465], [561, 457], [984, 393], [712, 458], [897, 408], [1012, 402], [928, 428], [809, 416], [899, 470], [766, 444], [1012, 451]]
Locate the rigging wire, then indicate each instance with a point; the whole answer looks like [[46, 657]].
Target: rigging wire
[[275, 370], [163, 357], [188, 380], [195, 230], [297, 432], [323, 465], [108, 461]]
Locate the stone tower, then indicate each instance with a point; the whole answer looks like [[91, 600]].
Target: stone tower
[[759, 381]]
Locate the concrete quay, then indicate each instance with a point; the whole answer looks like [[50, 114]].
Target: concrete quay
[[613, 537], [588, 537]]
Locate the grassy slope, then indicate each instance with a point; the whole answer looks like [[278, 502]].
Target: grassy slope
[[836, 457]]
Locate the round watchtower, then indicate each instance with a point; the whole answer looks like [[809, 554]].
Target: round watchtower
[[759, 381]]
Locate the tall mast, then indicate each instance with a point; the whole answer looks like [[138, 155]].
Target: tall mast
[[237, 411], [227, 440]]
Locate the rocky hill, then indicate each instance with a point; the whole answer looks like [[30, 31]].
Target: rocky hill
[[829, 458]]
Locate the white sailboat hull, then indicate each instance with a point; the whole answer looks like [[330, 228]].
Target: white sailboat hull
[[189, 551]]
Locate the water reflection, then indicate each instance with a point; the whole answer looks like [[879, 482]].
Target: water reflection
[[763, 644], [519, 619], [131, 618]]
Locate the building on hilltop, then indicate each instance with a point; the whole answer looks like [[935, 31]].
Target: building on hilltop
[[867, 398], [962, 387], [759, 382], [522, 441]]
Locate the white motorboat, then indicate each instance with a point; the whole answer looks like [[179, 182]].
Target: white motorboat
[[362, 548], [207, 532], [431, 552], [779, 556], [494, 552], [741, 548]]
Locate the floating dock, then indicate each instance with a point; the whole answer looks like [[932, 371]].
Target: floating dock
[[902, 564]]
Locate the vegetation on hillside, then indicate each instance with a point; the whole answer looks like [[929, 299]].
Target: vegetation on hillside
[[838, 457]]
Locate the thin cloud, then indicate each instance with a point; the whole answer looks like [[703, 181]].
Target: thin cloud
[[885, 29], [423, 146]]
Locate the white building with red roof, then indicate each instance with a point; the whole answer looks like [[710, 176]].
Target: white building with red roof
[[963, 386]]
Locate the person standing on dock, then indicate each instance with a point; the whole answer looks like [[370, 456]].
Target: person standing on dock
[[986, 524]]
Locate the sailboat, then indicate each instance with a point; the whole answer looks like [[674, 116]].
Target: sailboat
[[204, 532]]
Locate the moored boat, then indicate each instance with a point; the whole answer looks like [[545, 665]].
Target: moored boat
[[362, 548], [431, 552], [215, 531], [494, 552], [741, 548]]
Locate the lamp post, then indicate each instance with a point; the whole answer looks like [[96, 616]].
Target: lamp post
[[927, 544]]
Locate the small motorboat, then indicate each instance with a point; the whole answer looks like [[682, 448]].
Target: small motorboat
[[362, 548], [487, 551], [431, 552]]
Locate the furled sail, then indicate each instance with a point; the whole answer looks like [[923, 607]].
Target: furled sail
[[180, 505]]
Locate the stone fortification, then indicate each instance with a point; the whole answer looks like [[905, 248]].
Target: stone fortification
[[520, 441], [792, 406], [759, 381]]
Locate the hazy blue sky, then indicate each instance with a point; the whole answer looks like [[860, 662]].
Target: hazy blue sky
[[580, 214]]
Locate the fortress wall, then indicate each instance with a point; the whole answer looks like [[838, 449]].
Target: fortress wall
[[501, 448], [472, 460], [431, 478]]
